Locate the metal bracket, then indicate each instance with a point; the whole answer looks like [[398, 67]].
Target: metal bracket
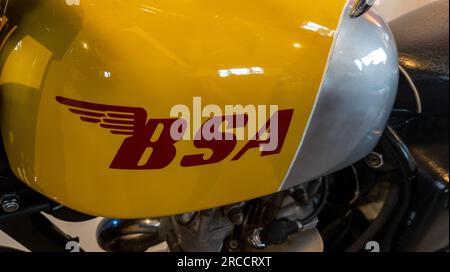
[[360, 7]]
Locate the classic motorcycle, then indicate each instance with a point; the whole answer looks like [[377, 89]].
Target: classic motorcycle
[[134, 111]]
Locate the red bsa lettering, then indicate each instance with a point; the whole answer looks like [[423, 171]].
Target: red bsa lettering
[[155, 134]]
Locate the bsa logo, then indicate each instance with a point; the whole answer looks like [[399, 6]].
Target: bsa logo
[[140, 133]]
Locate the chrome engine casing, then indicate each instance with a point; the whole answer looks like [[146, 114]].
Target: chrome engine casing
[[213, 230]]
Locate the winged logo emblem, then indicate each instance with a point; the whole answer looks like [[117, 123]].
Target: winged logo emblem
[[118, 119], [132, 122]]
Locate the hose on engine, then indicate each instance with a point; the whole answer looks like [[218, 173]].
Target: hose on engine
[[408, 171], [384, 215], [397, 149], [278, 232], [397, 218], [323, 201]]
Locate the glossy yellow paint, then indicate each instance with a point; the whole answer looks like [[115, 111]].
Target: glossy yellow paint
[[154, 55]]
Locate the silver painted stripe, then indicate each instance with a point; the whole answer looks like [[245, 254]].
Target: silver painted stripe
[[355, 99], [327, 66]]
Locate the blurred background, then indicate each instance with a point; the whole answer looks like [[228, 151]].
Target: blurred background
[[389, 9]]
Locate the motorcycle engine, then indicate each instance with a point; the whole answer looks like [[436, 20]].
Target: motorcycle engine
[[242, 226]]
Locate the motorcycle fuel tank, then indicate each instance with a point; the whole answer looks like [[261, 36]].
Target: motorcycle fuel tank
[[91, 90]]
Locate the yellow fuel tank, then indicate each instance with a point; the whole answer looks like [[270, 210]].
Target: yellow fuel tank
[[87, 90]]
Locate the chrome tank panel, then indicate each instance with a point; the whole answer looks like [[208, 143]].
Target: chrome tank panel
[[355, 100]]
